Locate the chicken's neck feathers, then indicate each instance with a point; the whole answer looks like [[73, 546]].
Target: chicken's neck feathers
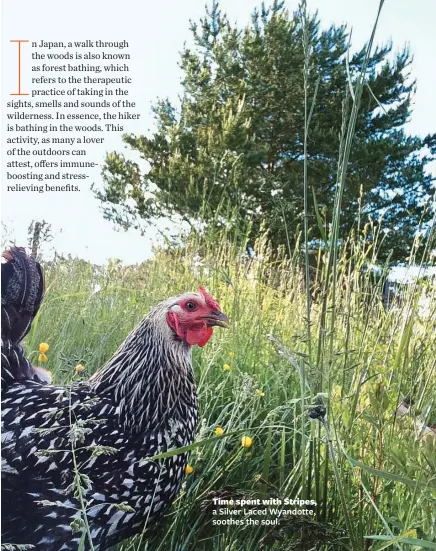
[[150, 379]]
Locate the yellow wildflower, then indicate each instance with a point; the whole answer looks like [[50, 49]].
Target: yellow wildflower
[[219, 431], [43, 347], [42, 358], [231, 354], [257, 477], [79, 368], [246, 441], [189, 469], [259, 392], [226, 367]]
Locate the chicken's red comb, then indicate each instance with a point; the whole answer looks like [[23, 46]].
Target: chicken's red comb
[[211, 302]]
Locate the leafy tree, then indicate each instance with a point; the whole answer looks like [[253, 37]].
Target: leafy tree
[[232, 151]]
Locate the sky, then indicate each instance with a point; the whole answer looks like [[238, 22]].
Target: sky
[[156, 33]]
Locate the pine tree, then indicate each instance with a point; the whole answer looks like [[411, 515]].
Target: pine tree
[[232, 152]]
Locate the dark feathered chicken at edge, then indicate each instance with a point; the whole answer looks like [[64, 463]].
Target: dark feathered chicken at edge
[[22, 292], [141, 403]]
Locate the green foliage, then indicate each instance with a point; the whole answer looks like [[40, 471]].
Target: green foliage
[[376, 358], [232, 151]]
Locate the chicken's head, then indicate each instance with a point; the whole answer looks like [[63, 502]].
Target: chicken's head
[[192, 317]]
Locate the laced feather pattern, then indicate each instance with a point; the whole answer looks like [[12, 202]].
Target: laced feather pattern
[[87, 445]]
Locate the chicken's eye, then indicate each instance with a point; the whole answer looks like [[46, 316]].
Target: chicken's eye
[[191, 306]]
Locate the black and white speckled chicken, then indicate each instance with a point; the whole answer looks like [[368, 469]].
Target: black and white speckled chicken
[[66, 450]]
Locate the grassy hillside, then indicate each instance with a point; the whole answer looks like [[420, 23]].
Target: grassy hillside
[[369, 471]]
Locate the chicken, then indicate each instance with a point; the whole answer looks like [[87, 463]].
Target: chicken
[[84, 448], [22, 293]]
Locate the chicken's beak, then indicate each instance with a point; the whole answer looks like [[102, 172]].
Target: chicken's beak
[[217, 319]]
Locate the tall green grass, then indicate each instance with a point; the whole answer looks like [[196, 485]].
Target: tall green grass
[[317, 371], [377, 463]]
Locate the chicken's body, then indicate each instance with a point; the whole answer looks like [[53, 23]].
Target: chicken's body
[[66, 449], [116, 478]]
